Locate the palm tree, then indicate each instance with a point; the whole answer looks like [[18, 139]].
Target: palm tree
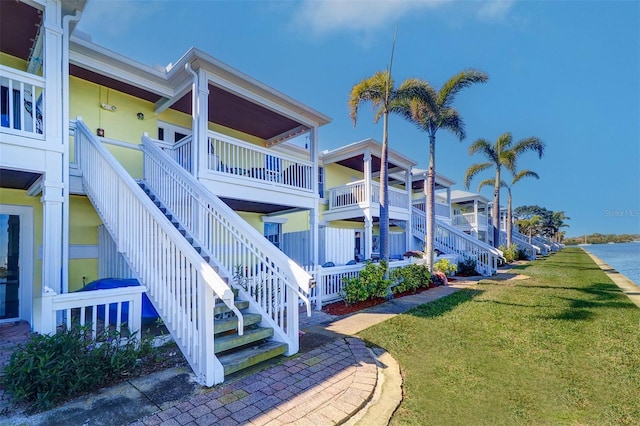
[[500, 154], [432, 110], [516, 177], [378, 89], [557, 219], [529, 226]]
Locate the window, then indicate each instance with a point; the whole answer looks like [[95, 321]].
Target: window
[[273, 232], [171, 133], [321, 182]]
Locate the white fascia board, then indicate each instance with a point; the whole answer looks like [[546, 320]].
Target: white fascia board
[[111, 64], [421, 174], [250, 88], [358, 148]]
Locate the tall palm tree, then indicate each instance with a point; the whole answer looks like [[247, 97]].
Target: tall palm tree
[[430, 111], [378, 89], [557, 219], [501, 154], [516, 177]]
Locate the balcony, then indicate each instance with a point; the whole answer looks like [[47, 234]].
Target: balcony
[[349, 201], [468, 221], [443, 210], [21, 103], [240, 170]]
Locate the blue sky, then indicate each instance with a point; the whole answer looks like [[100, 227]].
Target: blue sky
[[565, 71]]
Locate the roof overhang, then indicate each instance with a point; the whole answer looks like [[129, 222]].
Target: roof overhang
[[235, 100], [420, 176], [352, 156], [461, 197]]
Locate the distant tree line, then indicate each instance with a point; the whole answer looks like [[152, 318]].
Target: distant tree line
[[602, 239]]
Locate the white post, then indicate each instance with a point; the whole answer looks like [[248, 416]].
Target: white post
[[409, 228], [367, 176]]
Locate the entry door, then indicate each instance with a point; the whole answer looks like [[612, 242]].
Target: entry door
[[16, 266]]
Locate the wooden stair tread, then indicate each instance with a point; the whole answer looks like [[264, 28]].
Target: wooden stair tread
[[253, 355], [221, 308], [232, 341], [231, 323]]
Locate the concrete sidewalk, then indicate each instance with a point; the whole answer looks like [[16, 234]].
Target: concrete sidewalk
[[335, 379]]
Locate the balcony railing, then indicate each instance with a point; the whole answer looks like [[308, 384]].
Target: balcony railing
[[469, 219], [353, 194], [442, 209], [21, 103], [230, 156]]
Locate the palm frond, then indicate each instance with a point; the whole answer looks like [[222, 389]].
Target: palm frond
[[487, 182], [451, 121], [473, 170], [451, 87], [531, 143], [373, 89], [523, 174], [482, 146]]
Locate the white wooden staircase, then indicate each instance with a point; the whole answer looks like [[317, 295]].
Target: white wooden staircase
[[450, 240], [183, 244]]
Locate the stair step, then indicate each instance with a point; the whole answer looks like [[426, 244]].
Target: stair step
[[232, 323], [253, 355], [221, 308], [251, 335]]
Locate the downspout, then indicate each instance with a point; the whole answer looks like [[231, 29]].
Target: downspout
[[66, 20]]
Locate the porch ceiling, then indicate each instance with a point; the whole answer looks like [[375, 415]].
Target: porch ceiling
[[254, 207], [16, 179], [238, 113], [19, 25]]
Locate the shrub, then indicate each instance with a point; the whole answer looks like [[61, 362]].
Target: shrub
[[410, 277], [446, 267], [511, 253], [467, 267], [368, 284], [49, 369]]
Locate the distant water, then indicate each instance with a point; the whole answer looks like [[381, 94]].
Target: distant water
[[623, 257]]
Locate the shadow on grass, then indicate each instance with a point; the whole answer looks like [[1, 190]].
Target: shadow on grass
[[573, 315], [446, 304]]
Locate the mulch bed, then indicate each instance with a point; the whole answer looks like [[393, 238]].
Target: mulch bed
[[341, 308]]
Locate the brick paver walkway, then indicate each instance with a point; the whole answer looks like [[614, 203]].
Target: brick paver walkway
[[321, 387]]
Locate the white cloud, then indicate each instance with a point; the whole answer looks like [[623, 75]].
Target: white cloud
[[495, 9], [364, 17], [111, 18], [321, 17]]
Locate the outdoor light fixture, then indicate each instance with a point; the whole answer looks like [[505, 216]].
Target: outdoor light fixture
[[140, 116], [108, 107]]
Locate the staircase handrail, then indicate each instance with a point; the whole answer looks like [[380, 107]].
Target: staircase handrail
[[487, 256], [194, 334]]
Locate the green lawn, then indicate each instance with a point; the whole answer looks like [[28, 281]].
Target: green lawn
[[562, 347]]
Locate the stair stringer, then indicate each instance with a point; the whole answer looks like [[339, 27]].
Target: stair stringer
[[158, 254], [225, 274]]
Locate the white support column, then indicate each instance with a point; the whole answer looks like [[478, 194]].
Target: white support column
[[409, 228], [368, 234], [202, 122], [367, 176], [52, 201], [474, 229]]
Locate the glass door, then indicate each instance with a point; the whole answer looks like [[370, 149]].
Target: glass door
[[9, 266]]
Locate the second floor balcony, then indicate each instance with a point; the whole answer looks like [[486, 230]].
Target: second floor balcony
[[350, 201], [22, 103]]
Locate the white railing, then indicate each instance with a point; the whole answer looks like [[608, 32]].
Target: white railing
[[530, 250], [267, 276], [93, 309], [181, 152], [182, 287], [469, 219], [23, 113], [330, 281], [230, 156], [353, 194], [442, 209], [450, 240]]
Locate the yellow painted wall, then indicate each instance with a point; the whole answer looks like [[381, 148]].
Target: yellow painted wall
[[13, 62], [18, 197], [83, 230]]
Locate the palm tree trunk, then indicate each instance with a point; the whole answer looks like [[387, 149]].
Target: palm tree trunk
[[431, 203], [509, 224], [384, 191], [496, 210]]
